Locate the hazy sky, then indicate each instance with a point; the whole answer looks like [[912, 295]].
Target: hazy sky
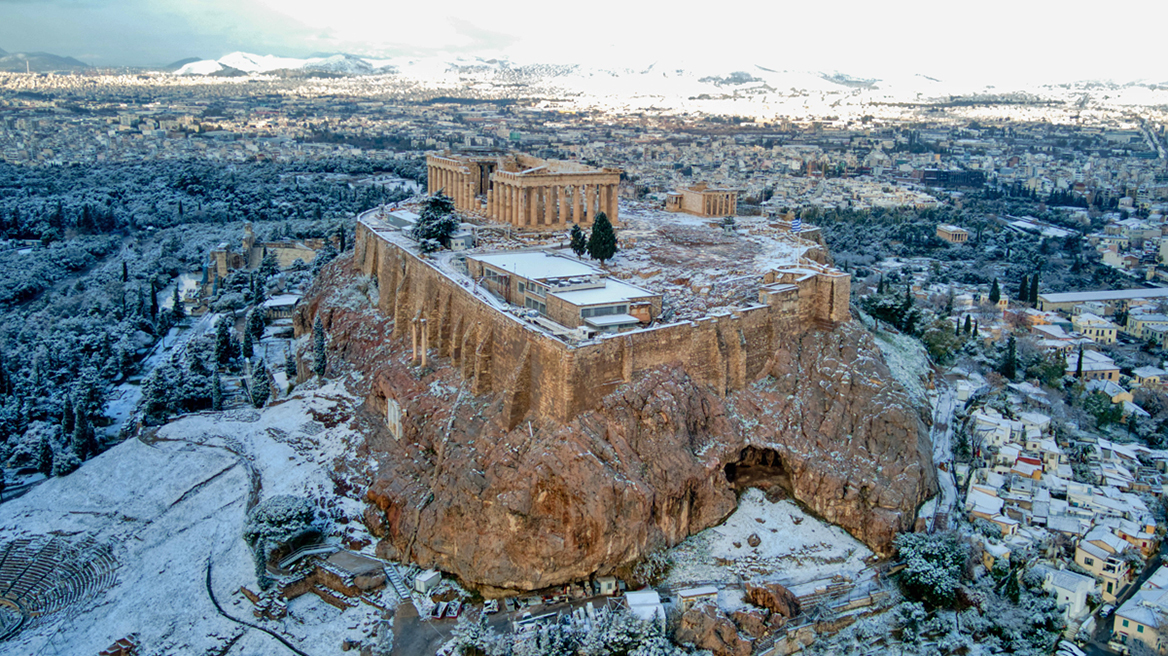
[[1002, 40]]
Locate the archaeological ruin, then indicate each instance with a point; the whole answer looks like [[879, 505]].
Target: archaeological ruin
[[703, 200], [526, 192]]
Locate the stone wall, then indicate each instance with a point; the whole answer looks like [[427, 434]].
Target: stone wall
[[496, 352]]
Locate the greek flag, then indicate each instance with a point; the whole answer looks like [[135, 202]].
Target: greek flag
[[797, 224]]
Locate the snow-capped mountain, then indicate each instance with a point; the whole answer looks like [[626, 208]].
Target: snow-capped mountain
[[252, 64]]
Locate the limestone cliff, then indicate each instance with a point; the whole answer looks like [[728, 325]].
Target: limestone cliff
[[657, 460]]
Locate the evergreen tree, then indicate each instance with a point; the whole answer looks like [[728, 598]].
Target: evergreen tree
[[1034, 289], [258, 384], [270, 266], [289, 366], [1009, 366], [216, 392], [248, 347], [578, 241], [602, 240], [153, 300], [125, 272], [179, 311], [968, 327], [995, 292], [84, 443], [436, 223], [880, 286], [1024, 288], [67, 416], [255, 323], [319, 364], [44, 463], [1079, 364], [224, 349]]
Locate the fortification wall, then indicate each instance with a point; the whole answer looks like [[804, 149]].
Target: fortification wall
[[497, 352]]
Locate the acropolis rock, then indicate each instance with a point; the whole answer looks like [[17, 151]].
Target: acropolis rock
[[526, 501]]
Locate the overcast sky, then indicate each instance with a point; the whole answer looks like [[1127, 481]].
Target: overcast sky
[[990, 40]]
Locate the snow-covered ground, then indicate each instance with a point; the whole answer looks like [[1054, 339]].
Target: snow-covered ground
[[168, 504], [794, 548]]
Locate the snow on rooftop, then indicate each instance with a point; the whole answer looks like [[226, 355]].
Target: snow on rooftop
[[536, 265], [614, 291]]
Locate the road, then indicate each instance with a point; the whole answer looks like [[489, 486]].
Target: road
[[941, 436]]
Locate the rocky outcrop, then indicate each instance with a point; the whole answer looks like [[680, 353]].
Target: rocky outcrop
[[706, 627], [657, 460], [773, 597]]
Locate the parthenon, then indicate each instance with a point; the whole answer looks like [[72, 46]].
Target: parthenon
[[527, 192]]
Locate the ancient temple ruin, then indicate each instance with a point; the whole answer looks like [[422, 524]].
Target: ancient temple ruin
[[527, 192]]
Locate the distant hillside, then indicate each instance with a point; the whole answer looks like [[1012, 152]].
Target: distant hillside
[[2, 52], [174, 66], [39, 62]]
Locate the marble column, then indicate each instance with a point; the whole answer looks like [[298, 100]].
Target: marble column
[[549, 205], [614, 203], [561, 194]]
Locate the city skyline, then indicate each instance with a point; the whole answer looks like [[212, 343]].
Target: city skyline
[[1000, 43]]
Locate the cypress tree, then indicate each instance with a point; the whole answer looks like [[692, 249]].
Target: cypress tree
[[289, 366], [1079, 364], [68, 418], [216, 392], [255, 323], [995, 292], [880, 286], [153, 300], [179, 311], [223, 346], [968, 327], [45, 456], [125, 272], [319, 365], [260, 390], [1009, 367], [602, 241], [1034, 289], [1024, 289], [247, 348], [578, 241]]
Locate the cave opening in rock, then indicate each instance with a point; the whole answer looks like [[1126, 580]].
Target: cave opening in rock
[[760, 468]]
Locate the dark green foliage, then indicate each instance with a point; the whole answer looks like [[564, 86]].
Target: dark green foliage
[[933, 566], [602, 240], [995, 292], [1009, 364], [578, 241], [1079, 363], [290, 366], [255, 323], [247, 345], [279, 520], [216, 392], [224, 341], [1034, 289], [259, 385], [44, 461], [1024, 289], [67, 416], [968, 328], [178, 311], [269, 266], [900, 311], [326, 254], [941, 342], [1099, 405], [320, 363], [436, 223]]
